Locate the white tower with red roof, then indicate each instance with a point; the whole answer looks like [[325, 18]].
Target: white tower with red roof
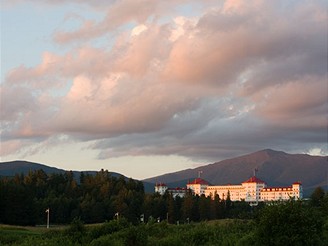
[[252, 189], [198, 186], [161, 188]]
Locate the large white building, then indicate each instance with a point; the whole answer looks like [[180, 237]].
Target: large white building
[[252, 191]]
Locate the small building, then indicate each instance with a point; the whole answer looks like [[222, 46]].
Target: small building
[[161, 188], [181, 192]]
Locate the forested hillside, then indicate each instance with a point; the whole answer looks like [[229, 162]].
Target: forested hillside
[[95, 198]]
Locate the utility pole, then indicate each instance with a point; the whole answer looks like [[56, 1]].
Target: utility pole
[[48, 217]]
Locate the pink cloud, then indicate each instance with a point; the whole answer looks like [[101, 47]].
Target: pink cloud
[[295, 104], [199, 84], [118, 14], [10, 147]]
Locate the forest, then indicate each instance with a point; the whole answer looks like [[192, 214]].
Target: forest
[[122, 204], [101, 197]]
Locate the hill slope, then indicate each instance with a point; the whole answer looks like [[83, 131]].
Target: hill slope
[[277, 168], [17, 167]]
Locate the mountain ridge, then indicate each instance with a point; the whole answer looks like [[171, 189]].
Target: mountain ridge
[[11, 168], [277, 168]]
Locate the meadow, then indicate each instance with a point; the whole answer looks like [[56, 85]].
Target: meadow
[[121, 232], [217, 232]]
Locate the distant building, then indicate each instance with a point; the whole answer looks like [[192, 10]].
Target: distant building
[[253, 190], [161, 188], [181, 192], [282, 193]]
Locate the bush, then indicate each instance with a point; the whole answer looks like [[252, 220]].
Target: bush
[[76, 231], [133, 235], [108, 228], [289, 223]]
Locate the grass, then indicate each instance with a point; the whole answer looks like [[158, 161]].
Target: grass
[[118, 233], [14, 235], [217, 232]]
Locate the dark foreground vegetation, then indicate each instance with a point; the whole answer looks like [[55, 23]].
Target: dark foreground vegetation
[[265, 230], [191, 220]]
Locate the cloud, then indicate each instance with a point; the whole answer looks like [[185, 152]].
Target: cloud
[[94, 3], [237, 78], [295, 104], [118, 14]]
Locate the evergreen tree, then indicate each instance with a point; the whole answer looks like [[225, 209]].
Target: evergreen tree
[[317, 197], [171, 209], [187, 206], [204, 207]]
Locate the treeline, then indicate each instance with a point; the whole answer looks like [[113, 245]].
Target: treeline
[[93, 198], [193, 208], [102, 197]]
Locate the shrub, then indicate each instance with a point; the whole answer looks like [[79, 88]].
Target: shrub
[[108, 228], [289, 223], [76, 231]]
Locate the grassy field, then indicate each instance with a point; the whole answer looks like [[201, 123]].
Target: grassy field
[[14, 234], [218, 232], [223, 232]]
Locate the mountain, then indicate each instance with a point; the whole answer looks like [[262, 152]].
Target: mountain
[[17, 167], [276, 168]]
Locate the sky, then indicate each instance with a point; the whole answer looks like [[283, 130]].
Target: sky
[[150, 87]]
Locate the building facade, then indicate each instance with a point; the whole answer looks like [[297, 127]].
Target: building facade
[[253, 190], [282, 193]]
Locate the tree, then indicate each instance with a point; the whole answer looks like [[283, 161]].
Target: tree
[[170, 209], [204, 207], [187, 206], [289, 223], [317, 197]]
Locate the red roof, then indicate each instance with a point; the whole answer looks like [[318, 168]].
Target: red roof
[[177, 189], [254, 179], [298, 183], [160, 184], [199, 181]]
